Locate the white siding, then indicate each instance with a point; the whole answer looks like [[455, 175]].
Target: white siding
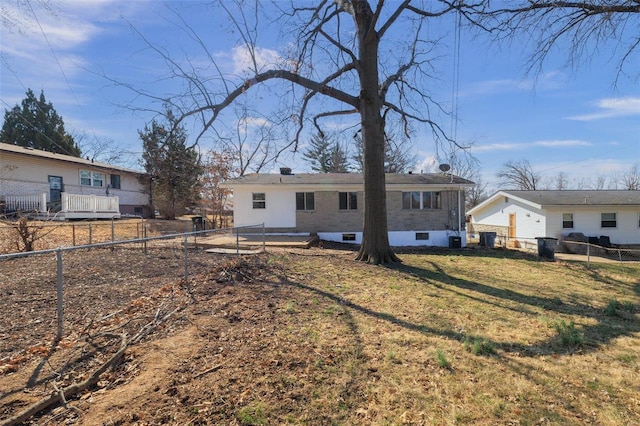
[[402, 238], [279, 211], [587, 220], [21, 174], [530, 222]]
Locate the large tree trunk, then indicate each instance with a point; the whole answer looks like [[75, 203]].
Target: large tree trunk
[[375, 246]]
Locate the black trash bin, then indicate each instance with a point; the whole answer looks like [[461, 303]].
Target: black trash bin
[[198, 223], [455, 242], [488, 239], [491, 239], [547, 247]]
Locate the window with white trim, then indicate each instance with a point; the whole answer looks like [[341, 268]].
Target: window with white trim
[[416, 200], [567, 220], [259, 200], [88, 178], [608, 220]]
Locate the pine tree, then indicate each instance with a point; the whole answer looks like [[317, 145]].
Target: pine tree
[[326, 156], [398, 157], [36, 124], [175, 168]]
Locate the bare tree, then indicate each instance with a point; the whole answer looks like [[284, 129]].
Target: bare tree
[[519, 175], [250, 141], [587, 26], [630, 179], [218, 167], [468, 168], [561, 181], [332, 70]]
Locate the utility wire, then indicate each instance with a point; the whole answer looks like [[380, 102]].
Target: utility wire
[[64, 75]]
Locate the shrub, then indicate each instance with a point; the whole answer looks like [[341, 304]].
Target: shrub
[[479, 346], [569, 335], [612, 308], [443, 362]]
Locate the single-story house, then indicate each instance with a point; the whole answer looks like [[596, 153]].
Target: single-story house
[[67, 187], [422, 209], [525, 215]]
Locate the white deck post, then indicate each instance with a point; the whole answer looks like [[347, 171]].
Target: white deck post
[[43, 202]]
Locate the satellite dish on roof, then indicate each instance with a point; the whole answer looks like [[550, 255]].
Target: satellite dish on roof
[[444, 167]]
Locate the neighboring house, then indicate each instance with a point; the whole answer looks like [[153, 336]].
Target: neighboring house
[[67, 187], [422, 209], [525, 215]]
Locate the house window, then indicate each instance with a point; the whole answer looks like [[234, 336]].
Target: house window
[[411, 200], [88, 178], [422, 236], [420, 200], [431, 200], [259, 200], [348, 237], [305, 201], [348, 200], [608, 220], [567, 220], [115, 181]]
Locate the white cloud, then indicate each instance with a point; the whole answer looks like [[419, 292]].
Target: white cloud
[[254, 122], [611, 107], [548, 81], [562, 143], [243, 59], [512, 146], [497, 147]]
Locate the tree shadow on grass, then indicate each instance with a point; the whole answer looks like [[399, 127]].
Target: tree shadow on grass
[[607, 328]]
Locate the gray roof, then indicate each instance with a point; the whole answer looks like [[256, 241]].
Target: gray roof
[[351, 179], [578, 197]]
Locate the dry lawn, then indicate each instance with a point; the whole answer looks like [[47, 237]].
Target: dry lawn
[[477, 337], [51, 235]]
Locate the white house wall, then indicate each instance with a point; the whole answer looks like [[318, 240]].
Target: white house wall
[[587, 220], [403, 238], [279, 211], [530, 222]]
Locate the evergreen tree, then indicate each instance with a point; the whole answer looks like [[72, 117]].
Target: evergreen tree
[[398, 157], [175, 168], [326, 156], [36, 124]]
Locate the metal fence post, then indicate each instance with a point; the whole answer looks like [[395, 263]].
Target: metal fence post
[[186, 264], [238, 242], [90, 236], [144, 235], [113, 231], [588, 256], [264, 239], [73, 232], [60, 294]]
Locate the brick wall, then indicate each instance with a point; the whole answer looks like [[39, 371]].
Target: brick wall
[[328, 218]]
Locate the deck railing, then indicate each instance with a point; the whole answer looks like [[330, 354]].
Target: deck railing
[[89, 203], [25, 203]]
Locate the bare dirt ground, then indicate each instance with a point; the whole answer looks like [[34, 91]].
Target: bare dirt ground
[[189, 359]]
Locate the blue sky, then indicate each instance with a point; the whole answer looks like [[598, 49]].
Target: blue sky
[[574, 121]]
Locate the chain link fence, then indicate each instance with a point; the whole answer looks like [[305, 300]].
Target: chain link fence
[[48, 234], [57, 295]]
